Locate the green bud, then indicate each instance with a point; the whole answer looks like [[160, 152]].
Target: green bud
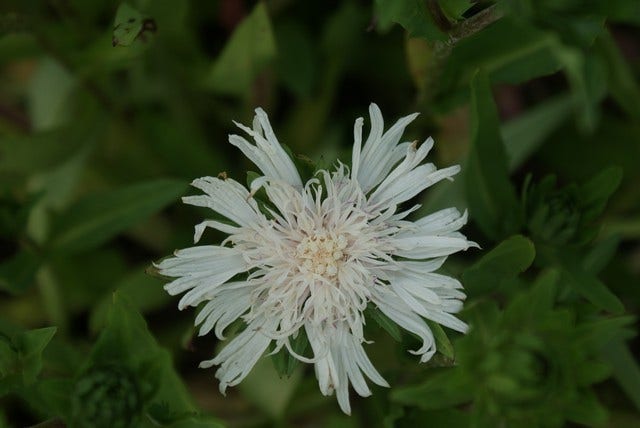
[[105, 396]]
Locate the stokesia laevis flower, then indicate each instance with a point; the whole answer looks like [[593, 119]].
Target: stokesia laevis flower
[[318, 253]]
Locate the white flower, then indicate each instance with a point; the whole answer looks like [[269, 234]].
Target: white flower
[[318, 253]]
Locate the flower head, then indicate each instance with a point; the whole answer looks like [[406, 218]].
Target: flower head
[[316, 254]]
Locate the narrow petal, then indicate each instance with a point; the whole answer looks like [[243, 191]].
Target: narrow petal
[[357, 147], [380, 153], [268, 154], [238, 358], [200, 228], [412, 183], [201, 270], [400, 313], [412, 159], [226, 306], [228, 198]]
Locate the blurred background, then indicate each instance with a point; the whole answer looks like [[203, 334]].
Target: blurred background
[[109, 109]]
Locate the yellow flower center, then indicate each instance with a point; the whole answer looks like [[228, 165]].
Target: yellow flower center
[[321, 253]]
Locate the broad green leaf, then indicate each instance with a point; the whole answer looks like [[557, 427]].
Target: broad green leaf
[[98, 217], [524, 134], [508, 259], [522, 137], [625, 369], [141, 289], [490, 195], [296, 62], [413, 15], [193, 422], [454, 9], [508, 50], [538, 300], [130, 25], [49, 93], [587, 410], [621, 81], [18, 272], [30, 345], [588, 286], [601, 254], [21, 357], [193, 157], [443, 388], [420, 56], [269, 391], [587, 78], [126, 342], [624, 11], [28, 154], [595, 193], [250, 48]]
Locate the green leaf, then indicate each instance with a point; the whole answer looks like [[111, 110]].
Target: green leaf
[[538, 300], [509, 51], [130, 25], [30, 345], [625, 369], [524, 134], [443, 344], [284, 362], [443, 388], [601, 254], [621, 81], [587, 410], [126, 342], [624, 11], [98, 217], [587, 285], [35, 153], [296, 63], [195, 422], [18, 272], [491, 197], [141, 289], [49, 95], [595, 193], [508, 259], [21, 357], [269, 391], [454, 9], [413, 15], [383, 321], [587, 78], [250, 48]]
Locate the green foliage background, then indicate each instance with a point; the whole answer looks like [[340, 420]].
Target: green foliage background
[[109, 109]]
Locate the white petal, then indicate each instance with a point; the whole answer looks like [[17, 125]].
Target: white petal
[[412, 183], [379, 153], [441, 222], [238, 358], [226, 306], [325, 367], [412, 159], [227, 197], [201, 270], [422, 247], [199, 229], [357, 147], [422, 267], [400, 313], [268, 154]]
